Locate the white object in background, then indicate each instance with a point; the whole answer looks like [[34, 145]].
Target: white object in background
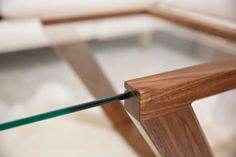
[[17, 35], [219, 8], [101, 29], [70, 135], [217, 116], [45, 9]]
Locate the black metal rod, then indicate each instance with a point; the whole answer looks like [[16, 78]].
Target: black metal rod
[[63, 111]]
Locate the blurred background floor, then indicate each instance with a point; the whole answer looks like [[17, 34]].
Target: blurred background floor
[[35, 81]]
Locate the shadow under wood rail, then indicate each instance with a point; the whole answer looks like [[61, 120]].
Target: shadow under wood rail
[[162, 104]]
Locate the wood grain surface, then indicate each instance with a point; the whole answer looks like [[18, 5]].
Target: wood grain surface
[[163, 92], [178, 134], [162, 104]]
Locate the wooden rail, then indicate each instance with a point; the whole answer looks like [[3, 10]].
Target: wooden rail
[[194, 23], [158, 101], [162, 104], [101, 15], [168, 13], [79, 56]]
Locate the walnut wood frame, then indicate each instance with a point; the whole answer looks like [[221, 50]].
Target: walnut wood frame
[[162, 104], [72, 53], [115, 112]]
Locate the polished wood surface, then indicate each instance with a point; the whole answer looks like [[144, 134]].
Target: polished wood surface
[[82, 61], [177, 134], [162, 104], [171, 90]]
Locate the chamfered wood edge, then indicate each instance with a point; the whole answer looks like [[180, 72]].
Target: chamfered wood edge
[[132, 104]]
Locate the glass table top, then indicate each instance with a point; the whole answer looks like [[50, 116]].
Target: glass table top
[[38, 81]]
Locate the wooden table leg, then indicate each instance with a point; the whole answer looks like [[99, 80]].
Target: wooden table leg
[[177, 134], [82, 61]]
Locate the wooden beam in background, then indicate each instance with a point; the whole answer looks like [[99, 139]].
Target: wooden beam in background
[[96, 16], [194, 23], [168, 13], [82, 61]]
